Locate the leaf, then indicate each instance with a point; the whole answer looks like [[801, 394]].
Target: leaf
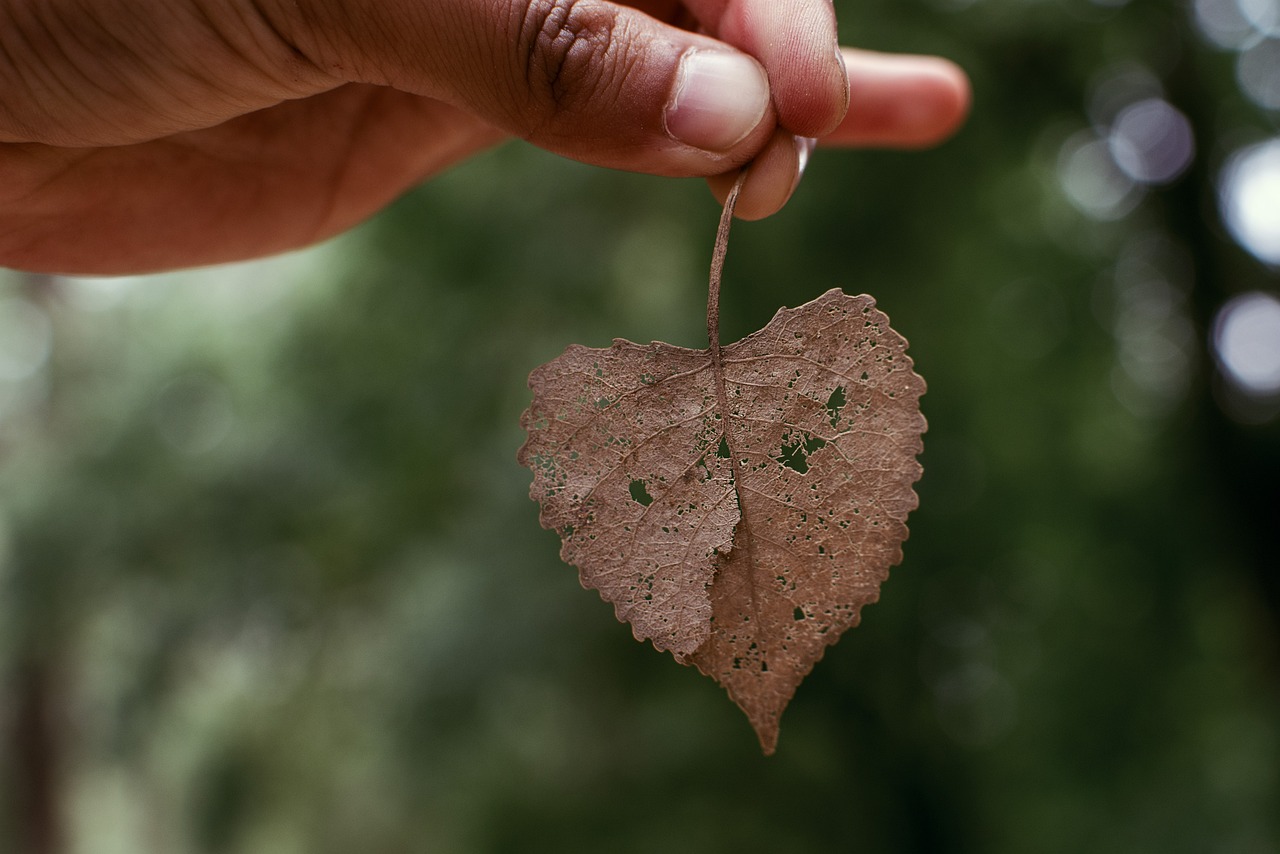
[[737, 505], [746, 550]]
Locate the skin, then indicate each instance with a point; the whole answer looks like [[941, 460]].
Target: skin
[[140, 135]]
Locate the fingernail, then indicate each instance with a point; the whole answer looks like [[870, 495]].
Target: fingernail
[[844, 70], [718, 99], [804, 147]]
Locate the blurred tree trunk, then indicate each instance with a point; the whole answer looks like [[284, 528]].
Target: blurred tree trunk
[[36, 723], [34, 736], [1240, 463]]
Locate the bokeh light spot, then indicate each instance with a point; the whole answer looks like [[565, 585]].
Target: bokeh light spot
[[194, 413], [1092, 181], [1258, 72], [98, 293], [1222, 22], [1249, 196], [1235, 24], [26, 338], [1262, 15], [1152, 141], [1246, 339]]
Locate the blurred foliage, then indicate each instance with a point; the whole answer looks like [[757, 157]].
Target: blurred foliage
[[270, 580]]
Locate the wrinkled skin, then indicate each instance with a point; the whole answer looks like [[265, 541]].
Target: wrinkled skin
[[139, 135]]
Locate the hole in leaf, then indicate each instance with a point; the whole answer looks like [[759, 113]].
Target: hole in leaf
[[834, 404], [795, 454], [722, 450], [640, 494]]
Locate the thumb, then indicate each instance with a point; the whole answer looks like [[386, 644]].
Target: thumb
[[591, 80]]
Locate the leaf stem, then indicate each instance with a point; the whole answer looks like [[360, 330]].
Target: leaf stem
[[742, 535], [717, 266]]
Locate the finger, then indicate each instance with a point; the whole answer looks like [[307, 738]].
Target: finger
[[896, 102], [899, 101], [589, 79], [772, 177], [796, 42]]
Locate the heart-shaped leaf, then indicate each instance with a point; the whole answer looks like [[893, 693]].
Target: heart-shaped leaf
[[737, 505]]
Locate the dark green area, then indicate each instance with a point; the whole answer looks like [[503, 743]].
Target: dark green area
[[270, 580], [835, 403], [640, 493], [795, 453]]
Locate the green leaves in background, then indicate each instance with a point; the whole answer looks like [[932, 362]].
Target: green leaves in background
[[270, 581]]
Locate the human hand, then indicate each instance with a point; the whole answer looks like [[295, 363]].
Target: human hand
[[138, 135]]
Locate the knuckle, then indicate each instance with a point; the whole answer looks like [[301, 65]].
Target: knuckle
[[567, 48]]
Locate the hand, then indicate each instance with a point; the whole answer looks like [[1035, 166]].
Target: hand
[[138, 135]]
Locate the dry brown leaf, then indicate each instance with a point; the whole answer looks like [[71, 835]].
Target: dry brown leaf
[[737, 505]]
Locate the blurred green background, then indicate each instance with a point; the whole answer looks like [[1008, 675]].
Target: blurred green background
[[270, 580]]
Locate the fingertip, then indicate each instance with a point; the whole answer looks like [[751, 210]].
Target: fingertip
[[902, 101], [946, 103], [813, 105], [772, 177]]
